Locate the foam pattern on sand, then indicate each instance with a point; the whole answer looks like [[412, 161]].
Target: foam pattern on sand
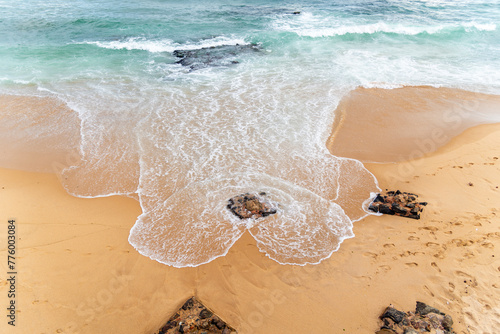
[[187, 231]]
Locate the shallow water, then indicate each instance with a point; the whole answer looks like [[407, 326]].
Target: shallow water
[[186, 138]]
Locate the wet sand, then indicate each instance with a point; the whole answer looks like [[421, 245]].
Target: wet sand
[[77, 273], [388, 125]]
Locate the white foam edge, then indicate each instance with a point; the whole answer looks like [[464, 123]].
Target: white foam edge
[[165, 45]]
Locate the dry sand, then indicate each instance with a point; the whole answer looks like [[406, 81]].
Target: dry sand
[[78, 274]]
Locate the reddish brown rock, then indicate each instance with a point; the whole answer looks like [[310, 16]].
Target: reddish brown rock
[[424, 319], [252, 205], [193, 317], [398, 203]]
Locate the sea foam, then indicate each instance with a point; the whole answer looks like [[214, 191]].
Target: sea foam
[[165, 45], [382, 27]]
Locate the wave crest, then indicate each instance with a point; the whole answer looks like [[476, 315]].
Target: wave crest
[[382, 27], [165, 45]]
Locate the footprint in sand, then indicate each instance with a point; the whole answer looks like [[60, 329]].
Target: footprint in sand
[[469, 255], [384, 268], [429, 228], [439, 255], [370, 254], [435, 266], [411, 264], [389, 246], [428, 291], [451, 287], [462, 243], [469, 280], [413, 238]]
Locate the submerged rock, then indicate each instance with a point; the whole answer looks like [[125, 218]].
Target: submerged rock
[[249, 205], [398, 203], [425, 319], [223, 55], [193, 317]]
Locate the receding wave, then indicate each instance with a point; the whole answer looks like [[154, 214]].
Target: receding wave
[[184, 152]]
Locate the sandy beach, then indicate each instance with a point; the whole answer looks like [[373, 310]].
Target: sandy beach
[[77, 273]]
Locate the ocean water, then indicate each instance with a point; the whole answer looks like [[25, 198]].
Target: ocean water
[[183, 104]]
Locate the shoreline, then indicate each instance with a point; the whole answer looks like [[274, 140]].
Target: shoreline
[[392, 125], [79, 274]]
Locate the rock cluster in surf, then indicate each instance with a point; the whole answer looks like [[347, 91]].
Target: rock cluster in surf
[[399, 204], [249, 205], [193, 317], [223, 55], [425, 319]]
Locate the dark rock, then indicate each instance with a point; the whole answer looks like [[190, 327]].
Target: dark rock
[[205, 314], [424, 309], [188, 304], [193, 317], [213, 56], [251, 206], [425, 319], [204, 324], [410, 331], [373, 207], [385, 209], [397, 203], [393, 314], [447, 322], [398, 209], [219, 324]]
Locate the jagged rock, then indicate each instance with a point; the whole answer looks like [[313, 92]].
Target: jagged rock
[[223, 55], [398, 203], [395, 315], [424, 309], [410, 331], [447, 322], [193, 317], [252, 205], [205, 314], [425, 319]]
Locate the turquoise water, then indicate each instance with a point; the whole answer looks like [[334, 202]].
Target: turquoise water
[[187, 103], [361, 42]]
